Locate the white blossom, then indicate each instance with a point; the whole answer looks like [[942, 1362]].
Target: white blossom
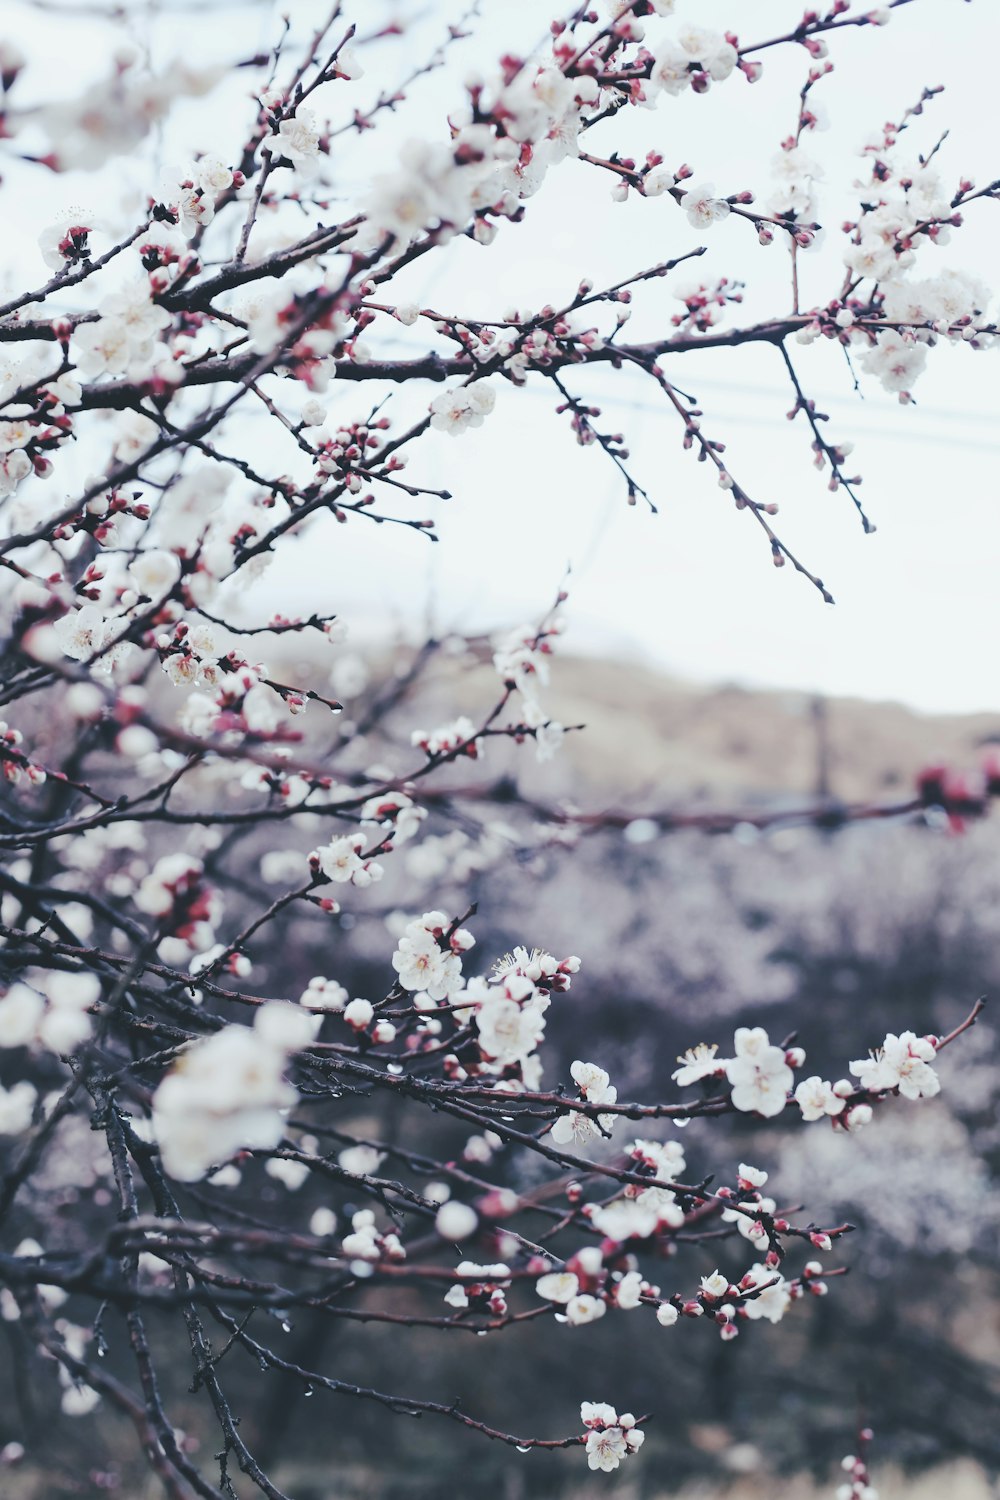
[[816, 1098], [610, 1438], [557, 1286], [298, 139], [759, 1074], [456, 1221], [902, 1062], [773, 1302], [226, 1093], [702, 207], [896, 360], [699, 1062], [596, 1088], [464, 406]]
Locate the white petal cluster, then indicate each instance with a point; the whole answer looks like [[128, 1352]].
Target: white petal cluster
[[582, 1309], [361, 1160], [521, 659], [702, 206], [759, 1075], [425, 961], [341, 861], [897, 359], [395, 813], [448, 738], [906, 207], [694, 58], [17, 1107], [773, 1302], [749, 1227], [817, 1098], [665, 1159], [610, 1437], [176, 894], [66, 243], [47, 1009], [228, 1092], [638, 1217], [462, 407], [427, 192], [518, 660], [446, 188], [699, 1062], [558, 1286], [510, 1018], [795, 174], [324, 994], [953, 302], [902, 1062], [85, 632], [199, 193], [481, 1288], [298, 139], [124, 336], [510, 1010], [366, 1244], [15, 465], [456, 1221], [115, 113], [596, 1087]]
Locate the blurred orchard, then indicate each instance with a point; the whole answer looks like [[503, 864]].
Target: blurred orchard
[[366, 1037]]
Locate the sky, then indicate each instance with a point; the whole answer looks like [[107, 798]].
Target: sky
[[690, 589]]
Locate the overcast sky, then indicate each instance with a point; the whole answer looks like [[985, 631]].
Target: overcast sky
[[691, 588]]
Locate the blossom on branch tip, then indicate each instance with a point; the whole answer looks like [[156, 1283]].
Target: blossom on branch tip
[[610, 1438], [902, 1062]]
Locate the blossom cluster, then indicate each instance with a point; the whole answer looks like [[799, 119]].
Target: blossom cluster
[[521, 659], [761, 1076], [428, 957], [510, 1009], [228, 1093], [48, 1010], [610, 1437]]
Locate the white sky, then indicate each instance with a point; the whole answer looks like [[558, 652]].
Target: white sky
[[691, 589]]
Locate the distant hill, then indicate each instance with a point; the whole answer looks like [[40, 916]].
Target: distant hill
[[649, 731], [652, 739]]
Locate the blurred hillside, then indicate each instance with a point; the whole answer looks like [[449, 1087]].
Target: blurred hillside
[[653, 732]]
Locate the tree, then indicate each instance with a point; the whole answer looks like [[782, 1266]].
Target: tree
[[169, 428]]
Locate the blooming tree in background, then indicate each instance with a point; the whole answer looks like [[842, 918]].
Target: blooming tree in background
[[181, 402]]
